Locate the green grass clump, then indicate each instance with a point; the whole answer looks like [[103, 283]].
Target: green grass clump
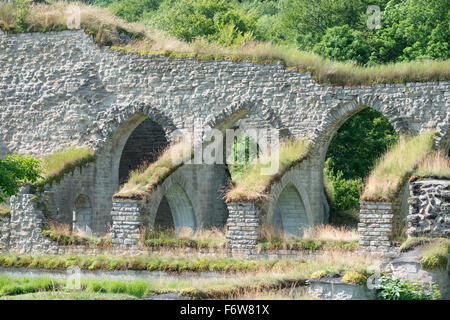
[[276, 243], [253, 185], [75, 240], [355, 277], [22, 285], [142, 181], [56, 165], [435, 254], [396, 165]]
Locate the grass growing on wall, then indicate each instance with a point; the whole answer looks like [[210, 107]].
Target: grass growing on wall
[[396, 165], [252, 184], [62, 162], [106, 29], [143, 180], [435, 254], [435, 164]]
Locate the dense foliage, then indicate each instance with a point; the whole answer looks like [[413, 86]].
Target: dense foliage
[[408, 29], [352, 153], [14, 171]]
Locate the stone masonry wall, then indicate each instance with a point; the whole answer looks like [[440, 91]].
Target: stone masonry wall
[[128, 216], [429, 211], [242, 229], [59, 89], [4, 233], [376, 225]]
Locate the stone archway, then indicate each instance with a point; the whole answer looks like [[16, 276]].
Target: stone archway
[[143, 145], [82, 215], [290, 212], [175, 209]]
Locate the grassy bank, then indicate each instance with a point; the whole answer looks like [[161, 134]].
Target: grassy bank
[[107, 30], [268, 279], [61, 162]]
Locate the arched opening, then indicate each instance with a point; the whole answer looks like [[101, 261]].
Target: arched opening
[[82, 215], [351, 154], [290, 213], [143, 145], [175, 210]]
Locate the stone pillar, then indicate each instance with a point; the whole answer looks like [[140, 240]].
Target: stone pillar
[[375, 225], [128, 216], [27, 220], [429, 208], [242, 229], [4, 232]]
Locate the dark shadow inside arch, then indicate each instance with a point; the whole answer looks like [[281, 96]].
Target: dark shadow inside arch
[[143, 145], [290, 213], [350, 156], [175, 210]]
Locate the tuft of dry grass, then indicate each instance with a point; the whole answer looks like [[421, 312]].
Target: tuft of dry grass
[[143, 180], [394, 167], [435, 164], [253, 184], [107, 29], [331, 233]]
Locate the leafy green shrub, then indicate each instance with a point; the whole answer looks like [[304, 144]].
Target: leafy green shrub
[[16, 170], [342, 43], [133, 10], [396, 289], [343, 193]]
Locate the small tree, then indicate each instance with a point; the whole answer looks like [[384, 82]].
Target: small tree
[[16, 170]]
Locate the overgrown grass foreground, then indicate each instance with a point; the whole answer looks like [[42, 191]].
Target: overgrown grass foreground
[[337, 261], [396, 166], [142, 181], [315, 238], [62, 234], [266, 276], [184, 238], [107, 29], [253, 183], [61, 162]]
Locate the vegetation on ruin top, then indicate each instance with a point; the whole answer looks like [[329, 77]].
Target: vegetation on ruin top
[[142, 181], [435, 165], [434, 251], [255, 179], [110, 30], [395, 167], [61, 162]]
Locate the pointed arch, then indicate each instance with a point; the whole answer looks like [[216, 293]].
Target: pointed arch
[[290, 212], [180, 212]]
